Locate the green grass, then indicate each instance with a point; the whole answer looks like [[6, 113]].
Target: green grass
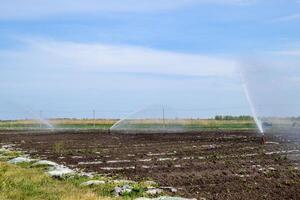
[[7, 155], [189, 125], [18, 183], [84, 126], [105, 124], [108, 188], [28, 181], [58, 123]]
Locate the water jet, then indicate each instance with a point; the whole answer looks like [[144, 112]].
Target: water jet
[[253, 111]]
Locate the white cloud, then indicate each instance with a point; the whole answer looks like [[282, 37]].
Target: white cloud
[[45, 74], [114, 59], [35, 9], [287, 53], [288, 18]]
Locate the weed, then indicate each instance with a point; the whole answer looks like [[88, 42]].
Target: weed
[[58, 147]]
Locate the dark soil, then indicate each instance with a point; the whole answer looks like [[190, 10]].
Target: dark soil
[[211, 165]]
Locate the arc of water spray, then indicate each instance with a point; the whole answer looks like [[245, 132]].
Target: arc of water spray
[[34, 115], [44, 121], [131, 114], [253, 111], [250, 102], [40, 119], [125, 118]]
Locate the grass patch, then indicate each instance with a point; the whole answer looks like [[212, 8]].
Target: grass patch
[[107, 189], [7, 155], [32, 184]]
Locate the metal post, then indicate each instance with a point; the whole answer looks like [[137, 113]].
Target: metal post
[[94, 118], [164, 124], [41, 117]]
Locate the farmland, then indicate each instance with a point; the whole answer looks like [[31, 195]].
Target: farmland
[[104, 124], [58, 123], [211, 164]]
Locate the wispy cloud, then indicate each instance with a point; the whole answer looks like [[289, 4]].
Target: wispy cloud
[[114, 59], [289, 53], [36, 9], [72, 75], [288, 18]]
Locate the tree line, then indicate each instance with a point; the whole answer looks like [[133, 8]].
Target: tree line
[[229, 117]]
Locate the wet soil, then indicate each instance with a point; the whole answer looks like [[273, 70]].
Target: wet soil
[[211, 165]]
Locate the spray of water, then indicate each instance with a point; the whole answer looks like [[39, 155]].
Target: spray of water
[[39, 118], [45, 122], [151, 119], [253, 110], [32, 114], [250, 101], [123, 120]]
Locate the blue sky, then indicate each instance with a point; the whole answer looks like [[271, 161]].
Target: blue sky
[[68, 57]]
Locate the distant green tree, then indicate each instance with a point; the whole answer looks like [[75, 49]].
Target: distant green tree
[[218, 117], [229, 117]]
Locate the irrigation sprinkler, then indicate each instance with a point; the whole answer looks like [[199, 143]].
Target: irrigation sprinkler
[[263, 140]]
